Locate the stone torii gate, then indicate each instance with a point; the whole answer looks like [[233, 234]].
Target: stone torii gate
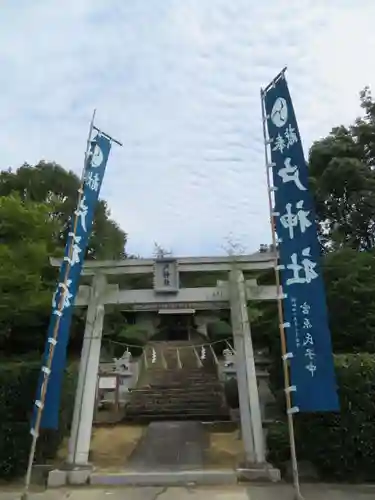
[[233, 294]]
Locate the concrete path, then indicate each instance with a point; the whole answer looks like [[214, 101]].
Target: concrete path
[[170, 446], [274, 492]]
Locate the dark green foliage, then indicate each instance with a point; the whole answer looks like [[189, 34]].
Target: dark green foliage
[[36, 204], [350, 287], [119, 333], [343, 178], [18, 383], [135, 337], [219, 332], [50, 184], [26, 233], [278, 445], [340, 446]]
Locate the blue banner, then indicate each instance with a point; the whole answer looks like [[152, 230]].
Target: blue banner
[[67, 287], [305, 311]]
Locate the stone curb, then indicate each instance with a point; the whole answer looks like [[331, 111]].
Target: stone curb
[[199, 477], [84, 476], [58, 478], [265, 473]]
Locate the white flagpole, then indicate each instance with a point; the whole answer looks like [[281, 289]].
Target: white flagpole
[[279, 292], [53, 340]]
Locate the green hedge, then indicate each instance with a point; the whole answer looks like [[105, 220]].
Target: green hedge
[[18, 383], [341, 446]]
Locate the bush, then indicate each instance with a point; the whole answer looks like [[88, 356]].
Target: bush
[[133, 336], [219, 332], [278, 444], [340, 445], [18, 384]]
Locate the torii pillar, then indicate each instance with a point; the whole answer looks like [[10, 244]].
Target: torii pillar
[[84, 405], [251, 418]]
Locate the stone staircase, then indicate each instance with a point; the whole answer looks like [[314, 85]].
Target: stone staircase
[[178, 386]]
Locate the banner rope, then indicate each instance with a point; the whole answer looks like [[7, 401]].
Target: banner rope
[[196, 346]]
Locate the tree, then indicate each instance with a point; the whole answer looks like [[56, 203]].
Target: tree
[[50, 184], [160, 252], [36, 208], [27, 235], [349, 278], [350, 287], [343, 178], [119, 335]]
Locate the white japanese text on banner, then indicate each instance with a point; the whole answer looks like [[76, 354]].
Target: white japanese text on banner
[[305, 312], [67, 287]]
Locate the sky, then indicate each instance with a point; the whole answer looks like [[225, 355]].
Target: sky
[[178, 83]]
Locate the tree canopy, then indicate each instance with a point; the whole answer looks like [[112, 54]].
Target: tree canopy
[[26, 234], [49, 183], [342, 170], [36, 204], [343, 178]]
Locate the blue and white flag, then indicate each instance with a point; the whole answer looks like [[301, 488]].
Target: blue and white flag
[[67, 287], [305, 311]]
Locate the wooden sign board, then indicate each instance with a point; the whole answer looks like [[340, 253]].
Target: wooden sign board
[[107, 383], [166, 279]]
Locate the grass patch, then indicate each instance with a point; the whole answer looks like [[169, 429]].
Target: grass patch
[[225, 450], [112, 446]]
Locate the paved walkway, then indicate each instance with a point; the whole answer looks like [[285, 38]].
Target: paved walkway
[[273, 492], [170, 446]]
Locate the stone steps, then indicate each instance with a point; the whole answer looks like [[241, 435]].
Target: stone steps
[[177, 402], [169, 355], [177, 382], [174, 408], [179, 377], [175, 393], [184, 372], [195, 385], [144, 418], [176, 379], [179, 397], [171, 392], [177, 405]]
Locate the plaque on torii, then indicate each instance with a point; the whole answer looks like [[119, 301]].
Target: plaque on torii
[[166, 278]]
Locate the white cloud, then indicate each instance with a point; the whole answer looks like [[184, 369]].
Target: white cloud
[[178, 83]]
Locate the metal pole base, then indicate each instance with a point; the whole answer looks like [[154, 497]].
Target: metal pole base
[[298, 496]]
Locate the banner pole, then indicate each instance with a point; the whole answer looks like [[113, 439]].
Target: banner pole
[[279, 292], [53, 339], [91, 128], [276, 79]]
